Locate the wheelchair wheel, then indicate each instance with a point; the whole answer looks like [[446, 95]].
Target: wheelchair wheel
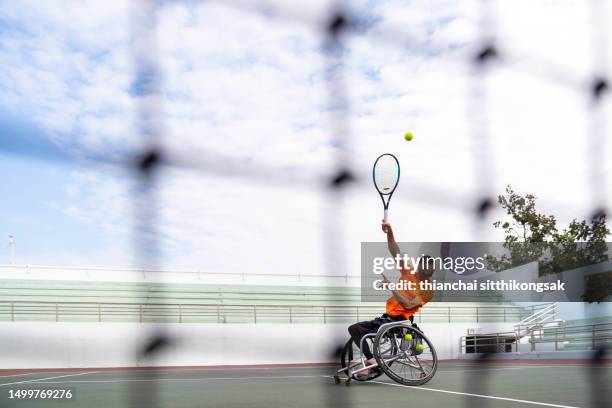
[[402, 360], [351, 354]]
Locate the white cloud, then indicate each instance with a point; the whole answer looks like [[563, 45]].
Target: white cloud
[[252, 88]]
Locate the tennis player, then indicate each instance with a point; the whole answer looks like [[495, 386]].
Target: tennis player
[[402, 304]]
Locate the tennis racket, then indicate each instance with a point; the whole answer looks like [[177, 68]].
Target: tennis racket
[[386, 174]]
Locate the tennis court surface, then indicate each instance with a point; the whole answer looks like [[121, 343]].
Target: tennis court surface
[[457, 383]]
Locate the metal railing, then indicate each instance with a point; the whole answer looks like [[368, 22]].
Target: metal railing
[[578, 337], [489, 343], [238, 313], [533, 309], [539, 316], [196, 274], [546, 313]]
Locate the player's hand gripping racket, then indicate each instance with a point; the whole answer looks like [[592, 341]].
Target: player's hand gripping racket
[[386, 174]]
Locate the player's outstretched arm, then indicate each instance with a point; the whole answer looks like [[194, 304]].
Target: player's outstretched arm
[[394, 249]]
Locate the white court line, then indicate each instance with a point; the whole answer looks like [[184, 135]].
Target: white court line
[[580, 366], [232, 368], [19, 375], [585, 364], [482, 369], [48, 378], [474, 395], [184, 379]]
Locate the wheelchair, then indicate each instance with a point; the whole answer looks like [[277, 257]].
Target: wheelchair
[[401, 350]]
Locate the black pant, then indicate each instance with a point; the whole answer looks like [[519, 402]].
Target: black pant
[[358, 330]]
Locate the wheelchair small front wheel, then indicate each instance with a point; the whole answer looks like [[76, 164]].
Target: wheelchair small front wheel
[[405, 354], [351, 354]]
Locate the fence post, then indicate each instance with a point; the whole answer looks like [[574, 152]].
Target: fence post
[[593, 336], [324, 314], [140, 312], [180, 314], [564, 332], [56, 312], [290, 315], [477, 314], [516, 341], [12, 312], [99, 313], [218, 314], [255, 313], [532, 341], [449, 318], [504, 314]]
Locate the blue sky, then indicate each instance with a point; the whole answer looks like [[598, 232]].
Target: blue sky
[[244, 88]]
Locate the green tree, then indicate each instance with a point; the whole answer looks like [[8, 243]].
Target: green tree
[[531, 236]]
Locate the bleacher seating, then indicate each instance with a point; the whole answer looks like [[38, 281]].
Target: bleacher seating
[[67, 300]]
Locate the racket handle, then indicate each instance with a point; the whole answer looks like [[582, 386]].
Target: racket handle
[[385, 218]]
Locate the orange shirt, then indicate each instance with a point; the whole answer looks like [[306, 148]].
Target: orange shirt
[[394, 308]]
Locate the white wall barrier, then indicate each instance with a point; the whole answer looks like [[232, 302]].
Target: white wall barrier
[[61, 345]]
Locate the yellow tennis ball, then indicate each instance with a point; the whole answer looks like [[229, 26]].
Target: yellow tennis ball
[[407, 336], [419, 347], [408, 136]]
